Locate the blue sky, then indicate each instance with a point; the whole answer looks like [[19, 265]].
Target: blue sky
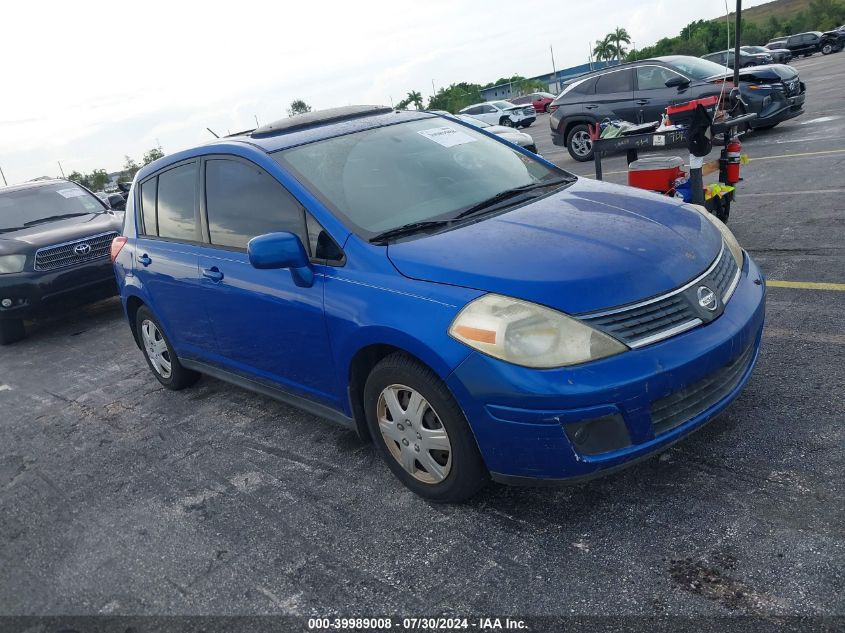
[[97, 81]]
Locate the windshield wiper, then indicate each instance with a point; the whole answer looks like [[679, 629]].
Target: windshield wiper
[[486, 205], [407, 229], [54, 217]]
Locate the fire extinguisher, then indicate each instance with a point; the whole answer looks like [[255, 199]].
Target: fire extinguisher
[[733, 153]]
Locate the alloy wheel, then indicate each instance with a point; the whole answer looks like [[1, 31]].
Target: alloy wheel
[[156, 348], [581, 143], [414, 434]]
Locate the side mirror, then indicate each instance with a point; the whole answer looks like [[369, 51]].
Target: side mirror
[[677, 82], [281, 250]]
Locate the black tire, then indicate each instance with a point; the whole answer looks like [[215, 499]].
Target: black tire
[[546, 108], [467, 474], [179, 377], [506, 121], [527, 125], [11, 331], [827, 49], [577, 132]]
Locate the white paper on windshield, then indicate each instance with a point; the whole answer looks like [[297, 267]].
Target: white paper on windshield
[[446, 136], [71, 193]]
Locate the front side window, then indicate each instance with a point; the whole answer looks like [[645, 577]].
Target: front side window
[[430, 169], [177, 201], [653, 77], [243, 201]]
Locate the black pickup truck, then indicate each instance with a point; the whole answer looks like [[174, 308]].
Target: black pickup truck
[[55, 240]]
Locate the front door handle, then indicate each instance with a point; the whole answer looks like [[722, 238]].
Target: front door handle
[[642, 101], [145, 260], [213, 274]]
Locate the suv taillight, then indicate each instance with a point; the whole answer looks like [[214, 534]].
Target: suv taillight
[[552, 107], [116, 245]]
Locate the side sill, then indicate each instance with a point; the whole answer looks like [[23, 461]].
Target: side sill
[[315, 408]]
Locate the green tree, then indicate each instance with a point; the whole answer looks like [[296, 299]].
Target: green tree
[[98, 179], [455, 97], [80, 178], [415, 98], [130, 168], [619, 37], [153, 154], [298, 106], [604, 49]]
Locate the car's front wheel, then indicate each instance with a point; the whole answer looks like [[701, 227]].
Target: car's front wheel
[[421, 432], [11, 331], [579, 143], [827, 49], [162, 360], [506, 121]]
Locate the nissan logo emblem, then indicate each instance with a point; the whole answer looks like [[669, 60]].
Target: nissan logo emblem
[[82, 249], [707, 299]]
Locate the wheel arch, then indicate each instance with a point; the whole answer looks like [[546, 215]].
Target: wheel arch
[[133, 304]]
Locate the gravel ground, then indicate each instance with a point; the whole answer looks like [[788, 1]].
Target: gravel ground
[[119, 497]]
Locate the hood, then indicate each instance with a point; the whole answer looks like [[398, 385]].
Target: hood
[[587, 247], [771, 72], [517, 138], [67, 230]]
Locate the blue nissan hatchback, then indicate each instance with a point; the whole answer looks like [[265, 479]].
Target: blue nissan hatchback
[[474, 309]]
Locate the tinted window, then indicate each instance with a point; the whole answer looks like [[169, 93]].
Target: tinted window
[[243, 201], [586, 87], [653, 77], [177, 191], [148, 207], [29, 206], [620, 81], [487, 109], [320, 243]]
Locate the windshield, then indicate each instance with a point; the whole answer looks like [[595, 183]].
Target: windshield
[[693, 66], [473, 121], [23, 207], [418, 171]]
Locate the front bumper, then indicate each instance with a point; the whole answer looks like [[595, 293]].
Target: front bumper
[[520, 416], [36, 293], [780, 108]]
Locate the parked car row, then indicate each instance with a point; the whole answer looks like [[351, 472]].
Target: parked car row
[[502, 113], [811, 42], [640, 92]]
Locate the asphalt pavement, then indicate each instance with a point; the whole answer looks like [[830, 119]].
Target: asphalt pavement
[[120, 497]]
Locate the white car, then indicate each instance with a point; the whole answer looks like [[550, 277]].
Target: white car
[[502, 113], [509, 134]]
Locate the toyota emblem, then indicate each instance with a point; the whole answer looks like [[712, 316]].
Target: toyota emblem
[[82, 249], [707, 299]]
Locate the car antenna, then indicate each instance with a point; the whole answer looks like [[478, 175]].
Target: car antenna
[[212, 132]]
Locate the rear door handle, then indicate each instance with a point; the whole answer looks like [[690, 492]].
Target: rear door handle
[[591, 106], [145, 260], [643, 101], [213, 274]]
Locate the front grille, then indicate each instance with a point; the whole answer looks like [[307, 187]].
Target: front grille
[[673, 410], [72, 253], [675, 312], [646, 321]]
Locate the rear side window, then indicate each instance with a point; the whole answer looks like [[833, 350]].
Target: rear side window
[[177, 201], [243, 201], [148, 207], [586, 87], [619, 81]]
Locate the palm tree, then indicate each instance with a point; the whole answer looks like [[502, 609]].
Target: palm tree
[[604, 49], [415, 98], [618, 37]]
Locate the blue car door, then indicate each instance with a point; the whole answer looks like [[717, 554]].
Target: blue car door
[[265, 325], [167, 258]]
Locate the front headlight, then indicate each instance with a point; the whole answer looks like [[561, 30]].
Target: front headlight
[[11, 263], [528, 334], [727, 235]]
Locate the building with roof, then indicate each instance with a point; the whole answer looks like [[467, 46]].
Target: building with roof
[[552, 81]]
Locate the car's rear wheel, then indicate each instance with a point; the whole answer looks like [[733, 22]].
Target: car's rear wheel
[[579, 143], [11, 331], [546, 108], [421, 432], [159, 353]]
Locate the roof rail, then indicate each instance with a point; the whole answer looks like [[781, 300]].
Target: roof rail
[[320, 117]]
